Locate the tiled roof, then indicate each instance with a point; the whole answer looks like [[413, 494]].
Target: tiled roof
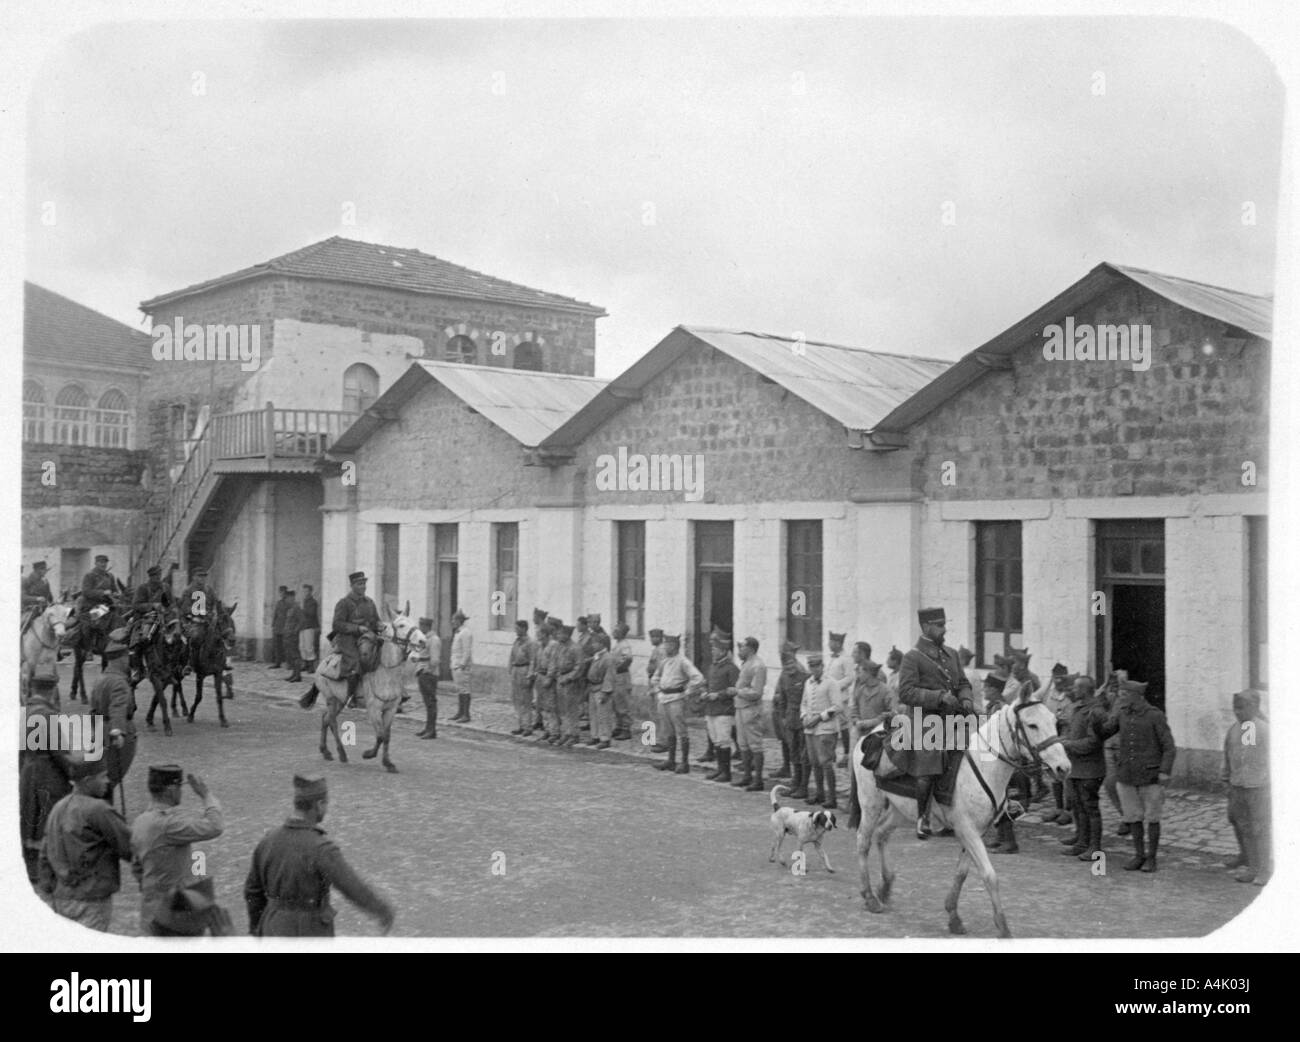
[[854, 386], [526, 405], [56, 329], [370, 264]]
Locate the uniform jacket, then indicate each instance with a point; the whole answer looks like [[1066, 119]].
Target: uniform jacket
[[1146, 745], [564, 663], [189, 601], [929, 672], [523, 655], [352, 615], [788, 700], [462, 650], [751, 683], [721, 675], [1245, 762], [1082, 740], [160, 849], [97, 588], [873, 701], [839, 670], [293, 619], [288, 887], [545, 663], [151, 593], [278, 616], [113, 699], [600, 673], [84, 840], [310, 613], [657, 656], [675, 676], [819, 696], [35, 590]]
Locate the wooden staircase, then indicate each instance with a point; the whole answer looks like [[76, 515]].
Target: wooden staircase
[[265, 442]]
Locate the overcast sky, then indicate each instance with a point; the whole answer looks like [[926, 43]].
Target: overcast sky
[[775, 175]]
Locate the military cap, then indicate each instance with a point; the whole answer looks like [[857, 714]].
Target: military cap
[[789, 648], [81, 767], [564, 630], [289, 593], [751, 642], [310, 787], [593, 616], [116, 642], [1134, 687], [837, 636], [101, 557], [424, 621], [1060, 670], [1250, 695], [621, 630], [656, 632], [153, 569], [554, 621], [40, 564], [582, 619], [186, 913], [459, 614], [1020, 655], [676, 638], [162, 776], [203, 570], [814, 658], [355, 577], [720, 637], [521, 624], [927, 616], [994, 681]]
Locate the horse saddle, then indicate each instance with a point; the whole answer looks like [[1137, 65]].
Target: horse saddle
[[890, 777], [332, 667]]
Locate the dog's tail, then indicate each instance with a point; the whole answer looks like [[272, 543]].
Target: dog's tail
[[309, 698], [777, 792]]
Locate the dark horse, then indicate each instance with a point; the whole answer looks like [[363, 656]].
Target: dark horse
[[211, 640], [165, 657], [88, 637]]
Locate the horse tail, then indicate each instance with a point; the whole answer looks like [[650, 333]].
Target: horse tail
[[777, 791], [855, 805], [309, 699]]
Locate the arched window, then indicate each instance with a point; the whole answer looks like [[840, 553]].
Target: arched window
[[360, 387], [72, 416], [461, 348], [113, 426], [528, 356], [34, 412]]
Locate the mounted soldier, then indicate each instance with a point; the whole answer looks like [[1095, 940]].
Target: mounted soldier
[[36, 594], [98, 586], [152, 606], [932, 679], [356, 622], [198, 602]]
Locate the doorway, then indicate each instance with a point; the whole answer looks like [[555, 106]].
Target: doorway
[[1131, 576], [445, 581], [714, 585]]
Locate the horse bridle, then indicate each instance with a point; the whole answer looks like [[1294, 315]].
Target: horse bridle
[[58, 641], [1019, 736]]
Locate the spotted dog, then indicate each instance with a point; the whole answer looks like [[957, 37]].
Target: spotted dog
[[806, 826]]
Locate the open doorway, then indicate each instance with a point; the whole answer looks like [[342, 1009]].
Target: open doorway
[[445, 583], [714, 585], [1131, 575]]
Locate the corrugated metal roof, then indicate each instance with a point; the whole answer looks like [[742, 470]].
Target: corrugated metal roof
[[855, 386], [61, 330], [371, 264], [1247, 311], [526, 405]]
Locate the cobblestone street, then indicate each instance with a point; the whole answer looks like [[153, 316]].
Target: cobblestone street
[[596, 844]]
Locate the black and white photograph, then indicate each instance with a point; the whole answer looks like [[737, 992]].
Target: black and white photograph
[[702, 481]]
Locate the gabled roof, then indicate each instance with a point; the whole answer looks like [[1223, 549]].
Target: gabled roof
[[526, 405], [1246, 312], [853, 386], [370, 264], [56, 329]]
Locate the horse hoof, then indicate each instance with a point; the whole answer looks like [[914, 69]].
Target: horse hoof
[[955, 926], [326, 753], [390, 768], [369, 754], [873, 905]]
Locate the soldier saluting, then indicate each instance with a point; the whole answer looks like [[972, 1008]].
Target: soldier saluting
[[354, 615], [931, 677]]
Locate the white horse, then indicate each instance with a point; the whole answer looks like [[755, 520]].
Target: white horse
[[381, 690], [41, 640], [1019, 736]]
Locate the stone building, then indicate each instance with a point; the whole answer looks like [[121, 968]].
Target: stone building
[[84, 464], [281, 357], [1104, 512]]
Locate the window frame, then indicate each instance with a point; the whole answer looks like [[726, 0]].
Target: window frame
[[1008, 599], [630, 610], [501, 574]]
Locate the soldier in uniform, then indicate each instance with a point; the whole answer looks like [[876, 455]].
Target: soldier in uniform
[[161, 840], [818, 711], [113, 701], [85, 838], [674, 681], [309, 635], [198, 602], [523, 667], [750, 683], [931, 677], [35, 593], [544, 682], [621, 653], [43, 777], [152, 605], [288, 887], [839, 671], [427, 658], [568, 687], [97, 586], [354, 615], [462, 663], [785, 716], [600, 693], [278, 630], [657, 655]]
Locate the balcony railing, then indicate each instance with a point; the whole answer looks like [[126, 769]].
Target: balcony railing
[[78, 425]]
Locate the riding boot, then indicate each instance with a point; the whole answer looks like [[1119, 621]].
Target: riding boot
[[784, 772], [354, 683], [746, 765], [923, 787], [757, 784], [709, 754], [800, 789], [1153, 844], [1006, 843], [669, 764], [820, 794], [430, 718], [830, 803], [723, 773], [1123, 829], [685, 766], [1083, 838], [463, 699], [714, 774], [1139, 848], [1093, 821]]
